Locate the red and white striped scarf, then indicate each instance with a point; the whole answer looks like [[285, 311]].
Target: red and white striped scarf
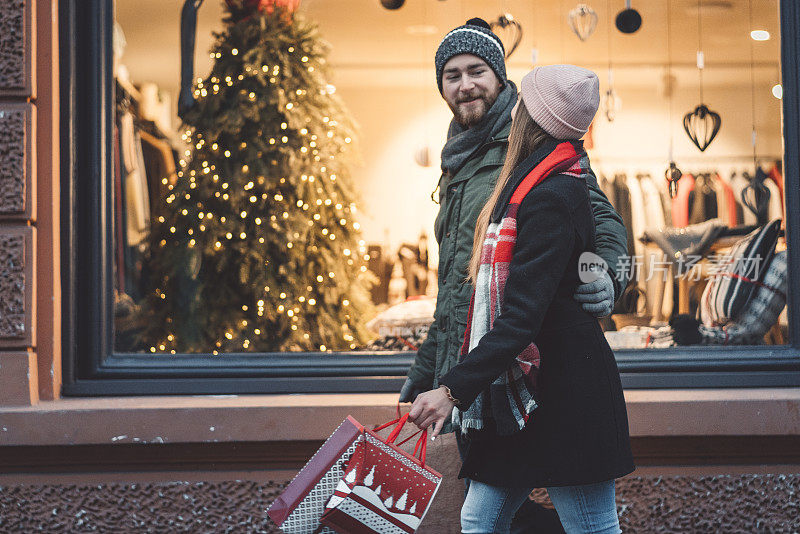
[[511, 398]]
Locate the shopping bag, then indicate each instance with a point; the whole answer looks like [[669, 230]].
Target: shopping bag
[[298, 509], [385, 490]]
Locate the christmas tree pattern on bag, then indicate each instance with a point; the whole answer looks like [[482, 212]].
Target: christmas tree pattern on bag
[[383, 491]]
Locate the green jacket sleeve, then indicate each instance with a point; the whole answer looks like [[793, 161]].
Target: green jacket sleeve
[[611, 237], [422, 370]]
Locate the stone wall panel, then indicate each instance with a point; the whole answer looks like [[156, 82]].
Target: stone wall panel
[[16, 48], [17, 124], [17, 286], [18, 379]]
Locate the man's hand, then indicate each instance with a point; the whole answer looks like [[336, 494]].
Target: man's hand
[[410, 390], [596, 297], [431, 408]]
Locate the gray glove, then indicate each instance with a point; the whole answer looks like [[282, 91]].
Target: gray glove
[[410, 390], [596, 297]]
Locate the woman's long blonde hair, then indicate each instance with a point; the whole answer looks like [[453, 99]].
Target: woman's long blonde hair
[[524, 138]]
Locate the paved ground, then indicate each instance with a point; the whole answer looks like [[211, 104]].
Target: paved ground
[[751, 503]]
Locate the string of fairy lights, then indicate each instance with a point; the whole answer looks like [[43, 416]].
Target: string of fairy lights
[[328, 218]]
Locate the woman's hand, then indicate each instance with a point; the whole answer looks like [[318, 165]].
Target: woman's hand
[[431, 408]]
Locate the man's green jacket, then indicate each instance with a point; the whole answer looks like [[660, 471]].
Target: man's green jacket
[[461, 199]]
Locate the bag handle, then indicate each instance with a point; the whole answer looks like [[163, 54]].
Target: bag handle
[[423, 440], [399, 424], [400, 421]]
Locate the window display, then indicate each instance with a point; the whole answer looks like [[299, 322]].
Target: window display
[[291, 206]]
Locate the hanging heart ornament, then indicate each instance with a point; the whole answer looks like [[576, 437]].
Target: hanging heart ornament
[[583, 21], [512, 28], [611, 104], [702, 126]]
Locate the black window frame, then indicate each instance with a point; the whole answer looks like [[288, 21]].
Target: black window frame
[[90, 367]]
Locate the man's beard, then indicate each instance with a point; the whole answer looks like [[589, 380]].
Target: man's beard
[[472, 115]]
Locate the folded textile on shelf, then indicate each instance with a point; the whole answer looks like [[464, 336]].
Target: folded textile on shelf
[[681, 244], [641, 337], [403, 326]]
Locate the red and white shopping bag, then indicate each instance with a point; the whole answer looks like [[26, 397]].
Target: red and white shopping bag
[[299, 507], [385, 490]]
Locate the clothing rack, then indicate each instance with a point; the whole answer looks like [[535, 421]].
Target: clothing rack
[[145, 164], [708, 161], [640, 197], [128, 98]]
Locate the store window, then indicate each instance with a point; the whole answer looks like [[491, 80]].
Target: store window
[[283, 203]]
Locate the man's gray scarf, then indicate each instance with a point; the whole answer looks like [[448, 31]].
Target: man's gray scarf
[[463, 142]]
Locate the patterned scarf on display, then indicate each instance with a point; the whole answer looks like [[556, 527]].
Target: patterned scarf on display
[[510, 399]]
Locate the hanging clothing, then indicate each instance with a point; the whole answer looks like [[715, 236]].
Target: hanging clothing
[[135, 182], [159, 166], [680, 203], [638, 214], [622, 203], [775, 204], [658, 269], [120, 236], [666, 200], [743, 214], [639, 221], [730, 213], [653, 205], [704, 205], [667, 299], [756, 196], [776, 176], [722, 202]]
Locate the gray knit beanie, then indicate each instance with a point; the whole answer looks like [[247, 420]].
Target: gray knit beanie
[[477, 38], [562, 99]]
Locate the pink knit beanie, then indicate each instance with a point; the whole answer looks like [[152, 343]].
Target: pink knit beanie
[[562, 99]]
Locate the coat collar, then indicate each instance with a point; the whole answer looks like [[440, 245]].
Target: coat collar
[[524, 168]]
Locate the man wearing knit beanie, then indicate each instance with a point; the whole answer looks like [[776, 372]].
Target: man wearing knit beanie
[[475, 71], [476, 38], [471, 76]]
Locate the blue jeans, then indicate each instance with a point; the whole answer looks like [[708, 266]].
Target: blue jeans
[[582, 509], [530, 516]]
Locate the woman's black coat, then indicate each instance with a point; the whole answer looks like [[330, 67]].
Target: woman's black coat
[[579, 432]]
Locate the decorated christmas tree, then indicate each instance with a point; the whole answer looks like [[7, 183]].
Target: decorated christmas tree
[[258, 248]]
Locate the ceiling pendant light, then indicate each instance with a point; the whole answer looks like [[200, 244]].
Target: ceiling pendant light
[[393, 4], [628, 20]]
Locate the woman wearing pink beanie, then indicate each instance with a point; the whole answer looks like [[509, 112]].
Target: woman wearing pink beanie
[[536, 392]]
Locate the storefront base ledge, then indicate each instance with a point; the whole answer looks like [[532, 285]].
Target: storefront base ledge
[[726, 460], [267, 476], [312, 417]]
